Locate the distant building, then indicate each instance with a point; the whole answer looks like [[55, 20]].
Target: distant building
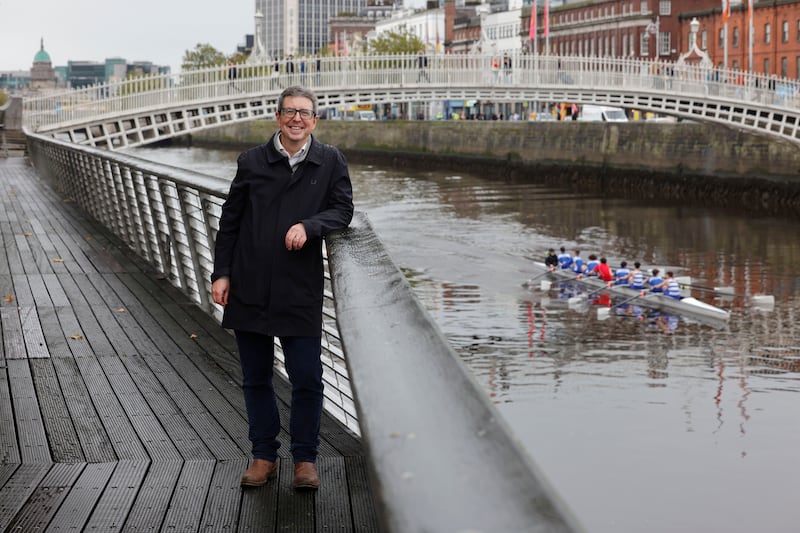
[[297, 27], [42, 74]]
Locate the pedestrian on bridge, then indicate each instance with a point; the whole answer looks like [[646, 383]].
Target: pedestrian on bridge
[[268, 275]]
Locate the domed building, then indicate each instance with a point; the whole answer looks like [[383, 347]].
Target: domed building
[[42, 74]]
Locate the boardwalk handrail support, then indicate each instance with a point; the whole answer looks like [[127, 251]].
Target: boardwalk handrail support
[[441, 457]]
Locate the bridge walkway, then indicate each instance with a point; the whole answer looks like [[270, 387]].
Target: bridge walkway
[[120, 403]]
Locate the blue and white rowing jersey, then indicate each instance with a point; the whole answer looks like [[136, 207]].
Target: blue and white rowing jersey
[[590, 267], [673, 289], [564, 260], [638, 280], [654, 281], [577, 263], [621, 274]]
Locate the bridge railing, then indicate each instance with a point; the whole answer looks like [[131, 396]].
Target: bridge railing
[[440, 455], [386, 72]]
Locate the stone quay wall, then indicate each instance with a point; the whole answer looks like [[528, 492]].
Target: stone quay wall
[[686, 162]]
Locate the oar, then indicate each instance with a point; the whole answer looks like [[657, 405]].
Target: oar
[[760, 300], [575, 300], [537, 276], [603, 312]]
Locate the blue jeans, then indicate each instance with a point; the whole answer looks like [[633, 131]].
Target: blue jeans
[[303, 364]]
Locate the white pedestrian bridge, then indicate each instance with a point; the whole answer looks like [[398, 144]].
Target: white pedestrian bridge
[[148, 109]]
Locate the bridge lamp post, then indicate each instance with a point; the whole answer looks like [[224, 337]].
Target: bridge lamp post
[[654, 28]]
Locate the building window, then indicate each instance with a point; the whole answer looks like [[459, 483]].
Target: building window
[[665, 7], [643, 7], [735, 64], [798, 29], [797, 66], [664, 43], [785, 32], [643, 45], [784, 66], [633, 45], [766, 66], [625, 45], [703, 41], [721, 38], [767, 33], [735, 39]]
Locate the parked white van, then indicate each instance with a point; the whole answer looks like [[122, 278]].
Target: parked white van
[[365, 115], [598, 113]]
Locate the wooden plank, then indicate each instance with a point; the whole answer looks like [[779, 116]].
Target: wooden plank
[[184, 436], [115, 503], [186, 508], [295, 508], [45, 500], [9, 448], [121, 433], [153, 499], [82, 497], [332, 503], [64, 444], [13, 341], [35, 344], [221, 512], [78, 319], [365, 519], [147, 426], [28, 418], [259, 511], [54, 289], [17, 489], [22, 291], [54, 336], [95, 441]]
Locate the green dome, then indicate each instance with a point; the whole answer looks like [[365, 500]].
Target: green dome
[[41, 55]]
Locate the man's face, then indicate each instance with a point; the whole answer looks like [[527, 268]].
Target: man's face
[[295, 130]]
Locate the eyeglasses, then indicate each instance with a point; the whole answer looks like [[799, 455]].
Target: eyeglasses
[[290, 112]]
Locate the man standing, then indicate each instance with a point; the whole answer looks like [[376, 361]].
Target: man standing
[[268, 275]]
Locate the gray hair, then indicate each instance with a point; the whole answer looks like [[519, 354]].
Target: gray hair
[[297, 90]]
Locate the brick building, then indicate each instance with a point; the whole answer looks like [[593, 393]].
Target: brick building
[[776, 36]]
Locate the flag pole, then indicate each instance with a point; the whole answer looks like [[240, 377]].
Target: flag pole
[[751, 37]]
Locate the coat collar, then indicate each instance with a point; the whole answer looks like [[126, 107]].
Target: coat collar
[[315, 151]]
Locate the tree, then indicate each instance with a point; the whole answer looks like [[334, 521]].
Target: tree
[[204, 55], [400, 42]]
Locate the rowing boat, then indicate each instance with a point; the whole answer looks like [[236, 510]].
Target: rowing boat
[[688, 307]]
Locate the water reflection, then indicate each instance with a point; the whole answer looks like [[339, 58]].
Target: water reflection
[[684, 422]]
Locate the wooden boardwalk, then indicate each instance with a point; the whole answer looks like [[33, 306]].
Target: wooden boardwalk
[[120, 400]]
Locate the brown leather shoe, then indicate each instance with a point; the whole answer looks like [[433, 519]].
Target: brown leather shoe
[[305, 476], [259, 473]]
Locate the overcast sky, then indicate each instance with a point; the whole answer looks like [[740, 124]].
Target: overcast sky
[[137, 30]]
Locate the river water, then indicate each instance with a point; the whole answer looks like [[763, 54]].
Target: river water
[[641, 423]]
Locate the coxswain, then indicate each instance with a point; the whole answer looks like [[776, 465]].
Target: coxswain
[[551, 259]]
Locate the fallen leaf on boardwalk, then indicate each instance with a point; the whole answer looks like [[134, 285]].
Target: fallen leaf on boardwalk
[[57, 260], [10, 298], [76, 337], [193, 336], [88, 238], [121, 310], [27, 234]]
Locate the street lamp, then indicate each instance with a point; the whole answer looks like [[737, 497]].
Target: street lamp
[[654, 28]]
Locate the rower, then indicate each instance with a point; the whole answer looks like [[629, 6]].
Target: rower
[[577, 262], [671, 287], [636, 277], [655, 281], [564, 259], [551, 260], [622, 273], [588, 269], [602, 270]]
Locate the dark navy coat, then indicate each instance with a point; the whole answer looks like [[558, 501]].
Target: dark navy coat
[[275, 291]]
